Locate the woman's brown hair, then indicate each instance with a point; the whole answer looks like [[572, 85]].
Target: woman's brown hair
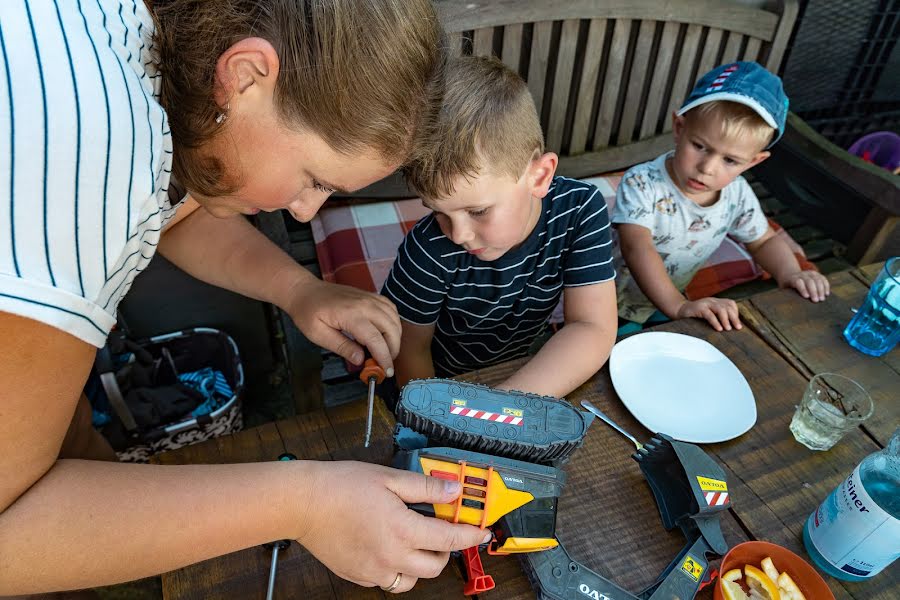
[[360, 74]]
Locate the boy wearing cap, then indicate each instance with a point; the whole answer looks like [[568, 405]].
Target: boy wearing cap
[[673, 212]]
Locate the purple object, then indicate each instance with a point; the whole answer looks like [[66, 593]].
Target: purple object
[[881, 148]]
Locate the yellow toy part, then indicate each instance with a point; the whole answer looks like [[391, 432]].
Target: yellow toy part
[[485, 497], [520, 545]]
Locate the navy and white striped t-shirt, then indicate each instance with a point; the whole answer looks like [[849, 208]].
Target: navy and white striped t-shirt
[[488, 312], [85, 157]]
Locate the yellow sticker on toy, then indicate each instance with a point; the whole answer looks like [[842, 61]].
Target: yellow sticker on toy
[[712, 485], [692, 568], [513, 411], [458, 402]]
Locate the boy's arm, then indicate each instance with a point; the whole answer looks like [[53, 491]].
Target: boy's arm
[[414, 359], [773, 254], [578, 350], [646, 266]]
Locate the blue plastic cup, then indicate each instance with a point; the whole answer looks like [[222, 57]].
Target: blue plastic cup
[[875, 329]]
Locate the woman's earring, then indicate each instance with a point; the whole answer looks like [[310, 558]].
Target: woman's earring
[[220, 118]]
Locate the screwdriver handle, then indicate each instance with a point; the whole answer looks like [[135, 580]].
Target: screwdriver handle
[[371, 369]]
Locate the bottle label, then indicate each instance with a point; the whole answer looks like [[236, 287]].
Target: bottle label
[[852, 532]]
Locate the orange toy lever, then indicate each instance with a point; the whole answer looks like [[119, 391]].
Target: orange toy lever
[[371, 374]]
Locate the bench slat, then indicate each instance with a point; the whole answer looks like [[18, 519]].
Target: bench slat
[[483, 42], [512, 46], [732, 48], [562, 84], [455, 39], [684, 77], [640, 66], [710, 56], [537, 66], [593, 57], [661, 73], [610, 91], [462, 15], [751, 52]]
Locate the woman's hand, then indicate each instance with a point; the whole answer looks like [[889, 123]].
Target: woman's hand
[[721, 313], [327, 312], [359, 526]]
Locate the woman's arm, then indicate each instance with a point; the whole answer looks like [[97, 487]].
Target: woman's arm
[[68, 524], [232, 254], [578, 350]]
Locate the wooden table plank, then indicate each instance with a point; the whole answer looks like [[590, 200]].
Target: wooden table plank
[[776, 482], [813, 334], [607, 517], [868, 273]]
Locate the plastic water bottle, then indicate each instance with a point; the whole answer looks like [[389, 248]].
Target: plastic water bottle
[[855, 533]]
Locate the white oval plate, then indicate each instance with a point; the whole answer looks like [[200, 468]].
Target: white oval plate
[[682, 386]]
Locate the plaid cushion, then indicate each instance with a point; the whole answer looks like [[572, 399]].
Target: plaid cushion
[[356, 245]]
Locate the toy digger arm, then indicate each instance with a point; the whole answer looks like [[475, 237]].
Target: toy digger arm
[[556, 576]]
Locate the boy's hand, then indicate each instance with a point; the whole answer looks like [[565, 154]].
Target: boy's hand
[[809, 284], [721, 313]]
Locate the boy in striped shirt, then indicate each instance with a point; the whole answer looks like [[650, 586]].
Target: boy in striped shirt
[[476, 281]]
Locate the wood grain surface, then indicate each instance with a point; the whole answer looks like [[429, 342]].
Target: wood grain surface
[[607, 517]]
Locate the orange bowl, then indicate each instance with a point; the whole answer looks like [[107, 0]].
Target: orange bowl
[[804, 575]]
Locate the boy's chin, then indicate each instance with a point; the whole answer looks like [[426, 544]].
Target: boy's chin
[[490, 255]]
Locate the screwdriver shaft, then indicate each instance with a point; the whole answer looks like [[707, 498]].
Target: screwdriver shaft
[[272, 569], [369, 410]]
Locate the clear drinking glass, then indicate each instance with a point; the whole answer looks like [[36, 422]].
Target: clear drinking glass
[[832, 405], [875, 328]]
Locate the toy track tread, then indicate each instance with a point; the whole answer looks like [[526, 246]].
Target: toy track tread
[[551, 428]]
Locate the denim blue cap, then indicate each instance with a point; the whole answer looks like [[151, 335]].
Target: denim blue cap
[[746, 83]]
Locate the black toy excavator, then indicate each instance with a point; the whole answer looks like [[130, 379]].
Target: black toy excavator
[[506, 448]]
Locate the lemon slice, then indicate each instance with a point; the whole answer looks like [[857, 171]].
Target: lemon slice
[[769, 568], [761, 583], [732, 575], [732, 591], [788, 588]]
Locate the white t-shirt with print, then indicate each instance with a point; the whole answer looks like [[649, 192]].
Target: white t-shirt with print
[[684, 233], [85, 158]]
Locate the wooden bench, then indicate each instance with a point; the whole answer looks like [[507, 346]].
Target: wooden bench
[[606, 78]]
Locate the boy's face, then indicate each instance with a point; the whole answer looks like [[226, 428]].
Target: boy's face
[[490, 215], [705, 161]]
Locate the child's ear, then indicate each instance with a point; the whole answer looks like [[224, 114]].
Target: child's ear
[[760, 156], [540, 173], [678, 123]]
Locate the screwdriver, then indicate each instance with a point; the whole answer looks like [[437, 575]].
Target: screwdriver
[[371, 374]]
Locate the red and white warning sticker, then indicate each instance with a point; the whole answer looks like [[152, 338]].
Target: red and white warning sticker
[[485, 415], [716, 498]]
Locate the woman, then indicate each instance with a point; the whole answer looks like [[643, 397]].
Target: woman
[[129, 128]]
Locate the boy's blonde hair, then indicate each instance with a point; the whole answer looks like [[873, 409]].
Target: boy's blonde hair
[[487, 124], [737, 121], [361, 75]]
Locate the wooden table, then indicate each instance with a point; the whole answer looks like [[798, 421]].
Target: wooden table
[[607, 517], [810, 336]]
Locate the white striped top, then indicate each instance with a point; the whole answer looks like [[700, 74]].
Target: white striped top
[[488, 312], [85, 158]]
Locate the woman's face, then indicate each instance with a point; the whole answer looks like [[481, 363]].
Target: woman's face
[[276, 167]]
